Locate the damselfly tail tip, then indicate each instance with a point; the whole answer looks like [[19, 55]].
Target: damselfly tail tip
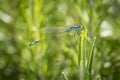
[[30, 44], [33, 43]]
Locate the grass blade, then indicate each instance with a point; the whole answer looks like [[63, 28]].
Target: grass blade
[[64, 76], [90, 59]]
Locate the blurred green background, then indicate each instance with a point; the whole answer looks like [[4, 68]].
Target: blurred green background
[[22, 21]]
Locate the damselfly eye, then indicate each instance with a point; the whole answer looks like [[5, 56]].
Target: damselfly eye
[[79, 26]]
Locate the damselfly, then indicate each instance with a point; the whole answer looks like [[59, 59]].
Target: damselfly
[[72, 28]]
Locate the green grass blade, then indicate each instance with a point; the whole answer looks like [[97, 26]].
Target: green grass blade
[[64, 76], [82, 54], [90, 58]]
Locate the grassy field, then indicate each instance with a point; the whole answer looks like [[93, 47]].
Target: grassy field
[[92, 53]]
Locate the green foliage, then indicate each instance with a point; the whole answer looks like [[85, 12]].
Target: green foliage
[[23, 21]]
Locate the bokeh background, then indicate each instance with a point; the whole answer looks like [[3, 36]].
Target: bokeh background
[[23, 21]]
